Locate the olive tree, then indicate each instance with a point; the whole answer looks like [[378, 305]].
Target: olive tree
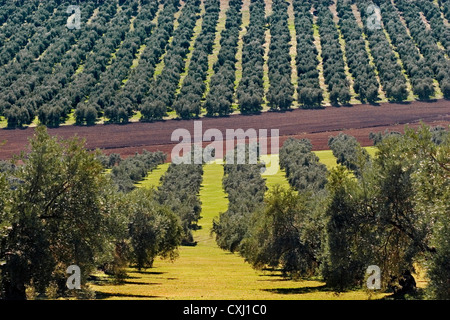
[[58, 217]]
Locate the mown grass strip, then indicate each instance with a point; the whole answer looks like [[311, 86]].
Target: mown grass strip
[[153, 179]]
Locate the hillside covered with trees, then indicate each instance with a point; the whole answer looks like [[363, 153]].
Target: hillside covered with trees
[[150, 60]]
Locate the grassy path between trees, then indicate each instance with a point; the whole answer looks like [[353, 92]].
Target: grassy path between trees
[[207, 272]]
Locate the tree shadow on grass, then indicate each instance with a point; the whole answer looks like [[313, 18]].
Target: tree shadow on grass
[[276, 278], [141, 283], [273, 275], [105, 295], [149, 272], [299, 290], [277, 275], [110, 280]]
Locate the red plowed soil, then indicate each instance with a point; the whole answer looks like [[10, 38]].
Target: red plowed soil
[[316, 125]]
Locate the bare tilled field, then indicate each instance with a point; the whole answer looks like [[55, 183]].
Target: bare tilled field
[[316, 125]]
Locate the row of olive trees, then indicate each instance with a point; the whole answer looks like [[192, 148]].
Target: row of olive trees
[[53, 105], [333, 57], [51, 87], [12, 15], [282, 228], [86, 71], [286, 233], [245, 190], [161, 95], [95, 67], [220, 97], [107, 95], [16, 34], [310, 94], [440, 31], [250, 91], [423, 37], [445, 7], [389, 70], [281, 90], [126, 172], [179, 190], [138, 84], [365, 82], [383, 211], [188, 102], [393, 215], [25, 70], [420, 74], [59, 208]]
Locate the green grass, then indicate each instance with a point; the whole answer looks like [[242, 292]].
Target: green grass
[[207, 272], [70, 119], [371, 150], [187, 61], [152, 180], [136, 117], [3, 122], [323, 86], [357, 14], [293, 49], [161, 64], [138, 56], [245, 22], [326, 157], [279, 178], [400, 62], [79, 69]]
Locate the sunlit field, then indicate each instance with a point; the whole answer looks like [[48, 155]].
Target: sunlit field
[[205, 271]]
